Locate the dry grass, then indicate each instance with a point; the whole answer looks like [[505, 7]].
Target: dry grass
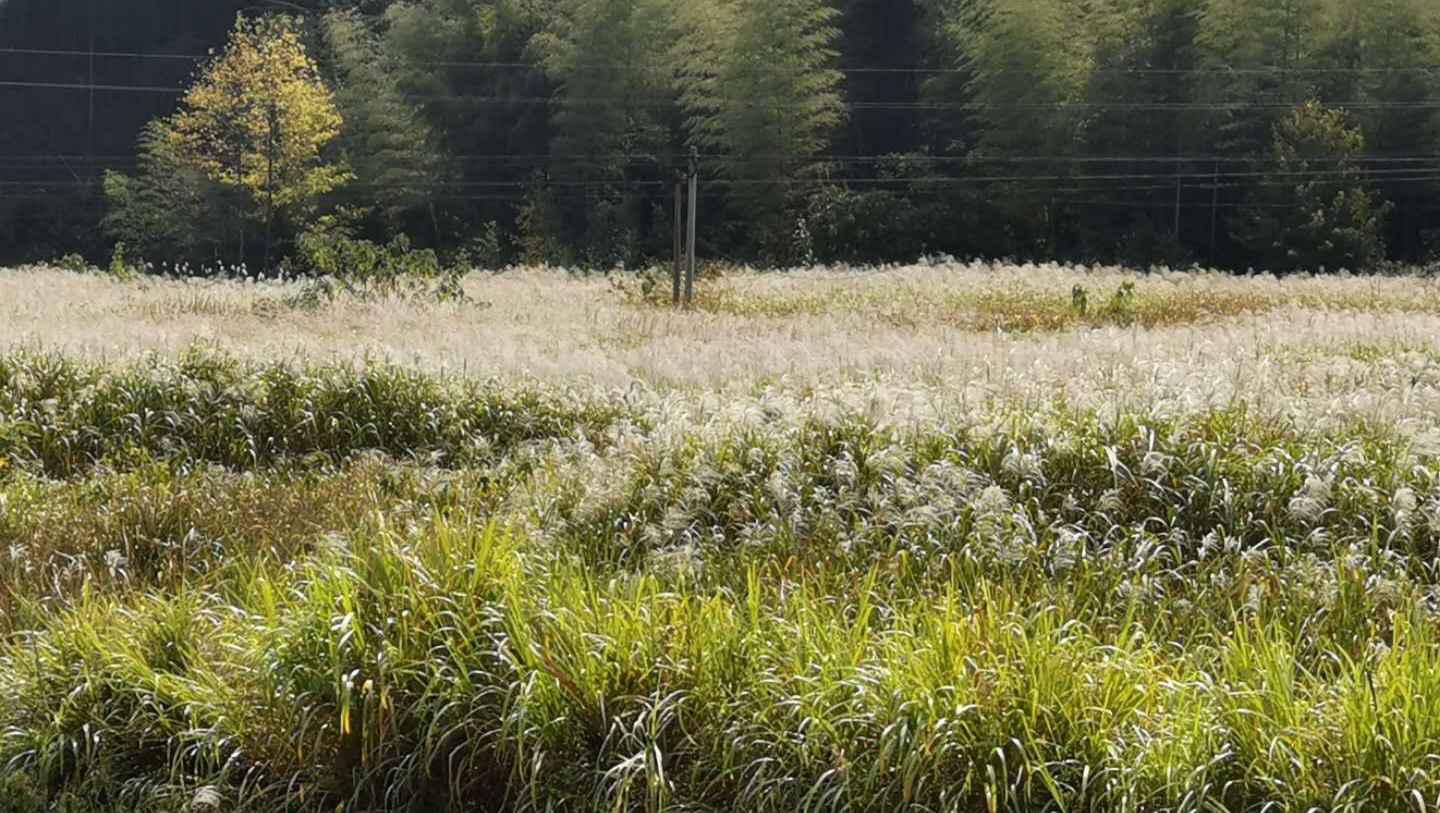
[[1021, 299], [904, 342], [924, 538]]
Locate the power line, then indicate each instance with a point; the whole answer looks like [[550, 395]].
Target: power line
[[1061, 195], [580, 183], [531, 66], [540, 158], [726, 104], [1066, 188], [723, 104], [101, 54], [89, 86]]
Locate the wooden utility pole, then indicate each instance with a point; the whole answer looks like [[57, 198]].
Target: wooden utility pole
[[272, 117], [694, 208], [679, 245], [1214, 206], [1177, 207]]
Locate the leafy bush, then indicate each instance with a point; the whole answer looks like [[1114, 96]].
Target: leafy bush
[[1200, 610], [64, 418], [1316, 209], [881, 225], [74, 263], [367, 270]]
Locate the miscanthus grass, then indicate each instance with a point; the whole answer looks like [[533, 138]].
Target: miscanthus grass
[[911, 339], [61, 417], [456, 668], [961, 538], [633, 604]]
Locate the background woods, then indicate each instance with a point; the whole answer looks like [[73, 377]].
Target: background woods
[[1278, 134]]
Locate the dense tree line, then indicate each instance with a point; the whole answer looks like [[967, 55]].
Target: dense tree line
[[1280, 134]]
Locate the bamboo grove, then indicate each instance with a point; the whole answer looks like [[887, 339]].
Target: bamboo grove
[[1271, 134]]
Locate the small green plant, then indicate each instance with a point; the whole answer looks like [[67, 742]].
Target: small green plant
[[75, 263], [1121, 307], [1080, 301], [347, 264], [119, 267], [485, 251]]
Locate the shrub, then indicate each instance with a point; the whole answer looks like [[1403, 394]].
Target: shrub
[[1315, 209], [485, 251], [74, 263], [64, 418], [361, 268]]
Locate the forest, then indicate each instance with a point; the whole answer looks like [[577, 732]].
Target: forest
[[1277, 135], [356, 457]]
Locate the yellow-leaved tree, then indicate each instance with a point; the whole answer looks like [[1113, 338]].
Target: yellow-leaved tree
[[258, 120]]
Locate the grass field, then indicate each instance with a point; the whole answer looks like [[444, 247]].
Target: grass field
[[940, 538]]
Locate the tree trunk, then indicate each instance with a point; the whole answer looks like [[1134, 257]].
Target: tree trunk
[[270, 184], [269, 226]]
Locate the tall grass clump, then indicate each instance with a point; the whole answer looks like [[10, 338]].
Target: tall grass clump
[[329, 588], [156, 529], [62, 417], [468, 668]]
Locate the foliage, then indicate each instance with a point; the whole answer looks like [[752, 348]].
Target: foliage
[[367, 270], [1381, 57], [1044, 609], [387, 143], [1121, 131], [245, 146], [120, 266], [895, 224], [1316, 210], [1270, 45], [490, 115], [484, 251], [1027, 58], [169, 211], [63, 419], [605, 116], [759, 87], [538, 224], [259, 118]]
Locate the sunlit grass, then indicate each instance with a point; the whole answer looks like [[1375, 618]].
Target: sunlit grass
[[453, 665], [892, 541], [62, 418], [1018, 305]]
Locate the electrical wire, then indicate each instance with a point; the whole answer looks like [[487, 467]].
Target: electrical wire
[[530, 66], [644, 102]]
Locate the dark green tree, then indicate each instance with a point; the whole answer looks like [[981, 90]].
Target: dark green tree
[[1144, 61], [1026, 66], [469, 67], [760, 90], [616, 130], [1381, 62], [1037, 128], [1260, 58], [1313, 209], [168, 211], [400, 170]]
